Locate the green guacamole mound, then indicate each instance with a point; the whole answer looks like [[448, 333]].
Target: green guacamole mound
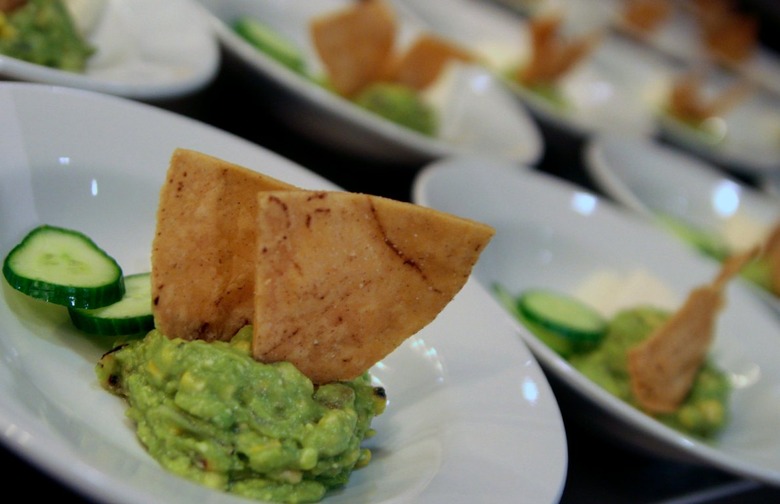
[[703, 414], [399, 104], [210, 413], [43, 32]]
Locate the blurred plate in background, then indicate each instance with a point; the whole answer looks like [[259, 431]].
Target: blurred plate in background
[[553, 234], [476, 113], [146, 49]]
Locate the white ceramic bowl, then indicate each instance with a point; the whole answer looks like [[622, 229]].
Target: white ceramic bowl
[[553, 234], [476, 112], [146, 49], [469, 408]]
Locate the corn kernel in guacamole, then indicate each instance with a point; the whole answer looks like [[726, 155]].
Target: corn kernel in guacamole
[[209, 412]]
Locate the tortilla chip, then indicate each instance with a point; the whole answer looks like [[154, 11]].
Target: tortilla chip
[[344, 278], [355, 43], [422, 63], [662, 368], [552, 54], [203, 252]]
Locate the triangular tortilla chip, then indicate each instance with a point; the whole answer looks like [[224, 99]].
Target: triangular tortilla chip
[[421, 64], [662, 368], [355, 43], [344, 278], [203, 251]]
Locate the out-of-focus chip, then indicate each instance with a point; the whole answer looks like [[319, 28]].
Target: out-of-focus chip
[[552, 55], [203, 253], [424, 60], [662, 368], [344, 278], [355, 44]]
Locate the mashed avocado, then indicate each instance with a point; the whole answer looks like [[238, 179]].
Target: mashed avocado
[[399, 104], [42, 32], [703, 414], [211, 413]]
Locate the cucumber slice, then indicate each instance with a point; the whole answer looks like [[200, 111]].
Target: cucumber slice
[[130, 315], [64, 267], [271, 43], [563, 322]]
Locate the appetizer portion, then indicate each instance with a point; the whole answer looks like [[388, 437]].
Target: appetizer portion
[[640, 349], [244, 356]]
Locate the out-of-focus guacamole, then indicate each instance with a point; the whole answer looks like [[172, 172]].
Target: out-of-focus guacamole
[[43, 32], [703, 414], [400, 104], [211, 413]]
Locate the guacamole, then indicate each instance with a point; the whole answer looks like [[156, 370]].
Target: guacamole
[[43, 32], [705, 411], [399, 104], [211, 413]]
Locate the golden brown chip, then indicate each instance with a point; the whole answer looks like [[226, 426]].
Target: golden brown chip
[[203, 251], [662, 368], [355, 43], [344, 278], [421, 64]]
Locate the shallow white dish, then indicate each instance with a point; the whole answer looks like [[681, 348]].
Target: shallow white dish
[[654, 180], [616, 88], [476, 113], [146, 49], [455, 425], [553, 234]]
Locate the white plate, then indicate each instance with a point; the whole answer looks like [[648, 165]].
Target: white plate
[[469, 407], [477, 114], [652, 179], [554, 234], [616, 88], [146, 49]]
